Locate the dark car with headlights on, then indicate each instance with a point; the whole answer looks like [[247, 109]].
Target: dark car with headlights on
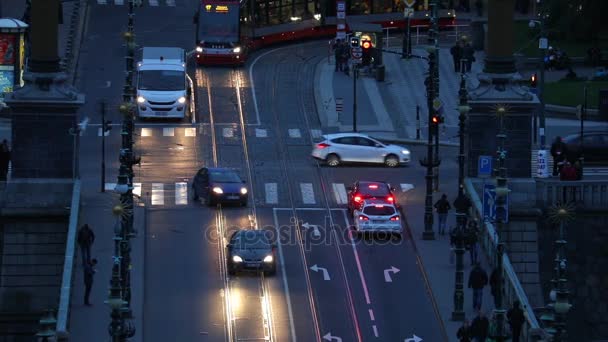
[[219, 185], [362, 190], [251, 250]]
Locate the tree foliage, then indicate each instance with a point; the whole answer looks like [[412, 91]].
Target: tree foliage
[[576, 19]]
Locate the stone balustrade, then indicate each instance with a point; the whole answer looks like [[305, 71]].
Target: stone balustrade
[[591, 195]]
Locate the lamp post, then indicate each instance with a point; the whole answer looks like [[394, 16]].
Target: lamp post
[[434, 35], [461, 209], [542, 47], [502, 191], [581, 157]]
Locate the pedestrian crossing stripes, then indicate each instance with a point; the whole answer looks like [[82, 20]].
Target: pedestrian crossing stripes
[[227, 132], [261, 133], [168, 131], [295, 133], [178, 193], [151, 3]]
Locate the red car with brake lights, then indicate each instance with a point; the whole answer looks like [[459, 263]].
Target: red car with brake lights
[[362, 190]]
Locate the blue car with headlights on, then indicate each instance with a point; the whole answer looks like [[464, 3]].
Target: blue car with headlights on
[[251, 250], [219, 185]]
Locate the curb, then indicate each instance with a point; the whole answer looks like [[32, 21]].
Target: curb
[[566, 112]]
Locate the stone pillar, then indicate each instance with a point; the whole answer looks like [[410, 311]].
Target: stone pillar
[[44, 112], [499, 48]]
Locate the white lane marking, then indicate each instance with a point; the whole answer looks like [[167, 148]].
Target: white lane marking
[[190, 131], [405, 187], [99, 132], [358, 262], [137, 189], [181, 193], [158, 194], [228, 132], [153, 2], [146, 132], [119, 2], [308, 194], [171, 3], [294, 133], [102, 2], [371, 314], [339, 192], [316, 133], [110, 186], [375, 330], [271, 193], [261, 133], [284, 277], [168, 131]]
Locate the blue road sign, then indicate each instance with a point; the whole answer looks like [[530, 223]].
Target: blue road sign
[[484, 166], [489, 203]]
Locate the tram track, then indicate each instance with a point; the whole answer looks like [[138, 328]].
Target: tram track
[[230, 290]]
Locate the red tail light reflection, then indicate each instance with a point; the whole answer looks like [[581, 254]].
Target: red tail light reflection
[[363, 218], [322, 145], [357, 198], [395, 218], [390, 199]]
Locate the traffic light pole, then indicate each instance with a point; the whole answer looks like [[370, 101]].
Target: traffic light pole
[[355, 72], [103, 146]]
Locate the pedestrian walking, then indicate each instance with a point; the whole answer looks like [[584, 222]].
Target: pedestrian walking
[[338, 51], [463, 204], [464, 332], [472, 241], [5, 159], [516, 319], [442, 206], [89, 271], [478, 279], [456, 52], [468, 54], [559, 151], [495, 286], [480, 327], [86, 237], [345, 59]]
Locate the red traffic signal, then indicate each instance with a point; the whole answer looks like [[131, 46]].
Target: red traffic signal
[[533, 81], [435, 119], [366, 44]]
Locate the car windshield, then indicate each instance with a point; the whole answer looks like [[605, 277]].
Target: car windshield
[[224, 177], [379, 210], [251, 240], [171, 80]]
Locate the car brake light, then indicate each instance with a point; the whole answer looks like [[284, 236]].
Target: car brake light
[[395, 218], [357, 198], [363, 218], [373, 186], [322, 145], [390, 198]]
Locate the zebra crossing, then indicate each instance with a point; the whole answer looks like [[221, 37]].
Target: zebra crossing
[[144, 3], [180, 193], [226, 132]]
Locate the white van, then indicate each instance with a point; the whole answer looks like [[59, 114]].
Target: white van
[[164, 89]]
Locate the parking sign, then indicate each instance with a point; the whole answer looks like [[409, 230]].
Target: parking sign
[[484, 166]]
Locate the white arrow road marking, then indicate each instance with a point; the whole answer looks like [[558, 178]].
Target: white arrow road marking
[[330, 337], [315, 228], [387, 274], [413, 339], [324, 270]]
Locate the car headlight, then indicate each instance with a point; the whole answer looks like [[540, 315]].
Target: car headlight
[[181, 100], [243, 191], [199, 49], [218, 190], [140, 99], [237, 258], [237, 49], [268, 258], [405, 151]]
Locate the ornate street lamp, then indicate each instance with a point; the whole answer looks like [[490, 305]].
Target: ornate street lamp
[[461, 214], [560, 214]]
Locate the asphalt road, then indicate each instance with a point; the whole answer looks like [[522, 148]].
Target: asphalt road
[[261, 120]]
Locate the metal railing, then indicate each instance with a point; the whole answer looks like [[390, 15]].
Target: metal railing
[[590, 194], [531, 330], [63, 312]]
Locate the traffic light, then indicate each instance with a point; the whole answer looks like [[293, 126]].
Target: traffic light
[[354, 42], [366, 47], [533, 81]]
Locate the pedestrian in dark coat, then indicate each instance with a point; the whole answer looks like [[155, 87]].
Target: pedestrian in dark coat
[[456, 52], [495, 285], [86, 237], [338, 51], [478, 279], [89, 272], [468, 53], [480, 327], [464, 332], [5, 158], [516, 319], [472, 241], [559, 151], [442, 206]]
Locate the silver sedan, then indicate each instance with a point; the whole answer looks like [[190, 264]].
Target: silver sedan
[[359, 148]]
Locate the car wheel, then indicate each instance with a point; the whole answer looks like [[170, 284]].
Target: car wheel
[[271, 271], [231, 270], [210, 201], [391, 160], [333, 160]]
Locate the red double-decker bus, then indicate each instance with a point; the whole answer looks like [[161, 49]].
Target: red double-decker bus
[[219, 38]]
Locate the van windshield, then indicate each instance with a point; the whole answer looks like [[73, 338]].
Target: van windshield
[[162, 80]]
